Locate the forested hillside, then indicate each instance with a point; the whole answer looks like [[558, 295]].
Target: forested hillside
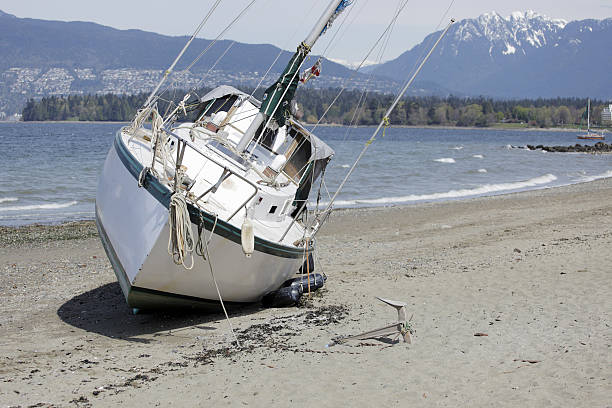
[[351, 107]]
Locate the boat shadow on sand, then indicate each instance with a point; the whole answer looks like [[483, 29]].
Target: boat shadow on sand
[[103, 311]]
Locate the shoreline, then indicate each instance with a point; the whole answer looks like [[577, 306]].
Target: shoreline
[[5, 228], [446, 127], [520, 129], [509, 297]]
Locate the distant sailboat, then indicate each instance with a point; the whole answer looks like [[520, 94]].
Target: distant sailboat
[[590, 135]]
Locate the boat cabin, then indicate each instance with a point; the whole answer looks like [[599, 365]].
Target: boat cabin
[[287, 154]]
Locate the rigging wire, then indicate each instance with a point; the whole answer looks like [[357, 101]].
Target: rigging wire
[[193, 36], [432, 38], [230, 25], [285, 92], [212, 43], [344, 84], [365, 92], [231, 44], [280, 52], [443, 17], [386, 34], [382, 123], [344, 19]]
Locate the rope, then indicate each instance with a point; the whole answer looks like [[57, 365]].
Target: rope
[[199, 249], [180, 241], [386, 124], [207, 257], [142, 177]]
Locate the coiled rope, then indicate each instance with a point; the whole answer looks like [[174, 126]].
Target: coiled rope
[[180, 241]]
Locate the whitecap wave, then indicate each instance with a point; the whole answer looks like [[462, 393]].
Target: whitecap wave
[[345, 166], [8, 200], [586, 179], [481, 190], [445, 160], [52, 206], [482, 170], [457, 148], [478, 156]]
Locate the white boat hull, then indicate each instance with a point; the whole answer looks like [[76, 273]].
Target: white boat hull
[[133, 226]]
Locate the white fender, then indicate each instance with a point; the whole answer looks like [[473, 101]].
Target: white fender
[[247, 236]]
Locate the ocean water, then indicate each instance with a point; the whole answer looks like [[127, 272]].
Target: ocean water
[[49, 171]]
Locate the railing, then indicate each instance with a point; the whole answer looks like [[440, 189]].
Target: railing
[[227, 172]]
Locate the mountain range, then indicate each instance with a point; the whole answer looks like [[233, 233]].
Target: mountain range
[[525, 55]]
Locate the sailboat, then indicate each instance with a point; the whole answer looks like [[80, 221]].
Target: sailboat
[[207, 204], [590, 135], [212, 207]]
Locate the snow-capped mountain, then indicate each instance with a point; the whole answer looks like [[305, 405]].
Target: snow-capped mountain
[[520, 31], [523, 55]]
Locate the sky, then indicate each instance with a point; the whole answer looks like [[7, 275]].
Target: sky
[[285, 23]]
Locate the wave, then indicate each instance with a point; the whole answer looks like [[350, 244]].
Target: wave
[[52, 206], [345, 166], [482, 170], [484, 189], [8, 200], [445, 160], [478, 156], [457, 148], [586, 179]]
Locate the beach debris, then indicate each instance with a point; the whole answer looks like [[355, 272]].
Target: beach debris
[[400, 328], [518, 251], [81, 400], [527, 361], [481, 335]]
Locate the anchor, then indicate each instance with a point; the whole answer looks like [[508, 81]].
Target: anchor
[[400, 328]]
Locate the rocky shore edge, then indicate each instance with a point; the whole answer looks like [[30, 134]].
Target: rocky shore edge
[[598, 147]]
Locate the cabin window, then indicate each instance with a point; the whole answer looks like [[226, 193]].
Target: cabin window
[[267, 138], [217, 105], [298, 156], [273, 209], [284, 210]]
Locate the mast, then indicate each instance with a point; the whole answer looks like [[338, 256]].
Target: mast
[[278, 96], [588, 115]]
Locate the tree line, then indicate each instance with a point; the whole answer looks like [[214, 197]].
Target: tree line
[[351, 107]]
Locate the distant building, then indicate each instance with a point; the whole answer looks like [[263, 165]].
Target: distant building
[[606, 115]]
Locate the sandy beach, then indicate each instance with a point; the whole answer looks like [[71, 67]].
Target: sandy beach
[[530, 272]]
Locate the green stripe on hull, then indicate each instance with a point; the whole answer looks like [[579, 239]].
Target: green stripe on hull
[[143, 298], [223, 228]]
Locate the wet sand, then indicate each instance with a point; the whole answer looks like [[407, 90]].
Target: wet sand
[[532, 271]]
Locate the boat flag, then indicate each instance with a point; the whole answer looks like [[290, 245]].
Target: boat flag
[[311, 72]]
